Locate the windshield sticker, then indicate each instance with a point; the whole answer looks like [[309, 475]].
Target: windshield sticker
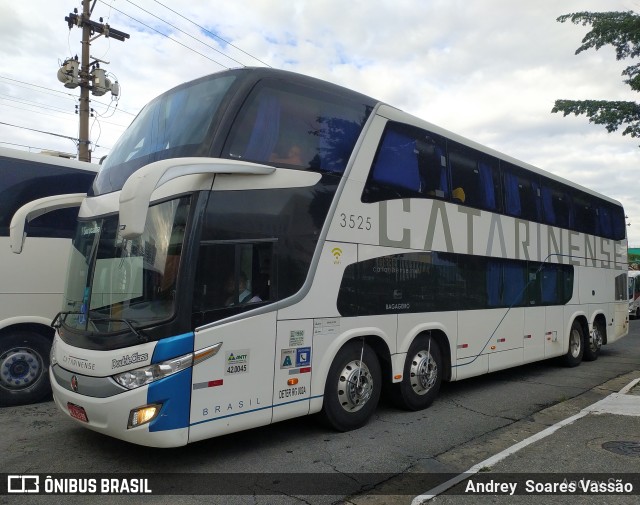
[[89, 230]]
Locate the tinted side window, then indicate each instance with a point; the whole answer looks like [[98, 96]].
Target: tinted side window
[[410, 162], [57, 224], [474, 177], [429, 282], [521, 193], [23, 181], [296, 127], [585, 213], [232, 278], [556, 204]]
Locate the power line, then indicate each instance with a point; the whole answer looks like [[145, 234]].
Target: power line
[[69, 96], [211, 33], [73, 139], [24, 145], [36, 104], [170, 38], [40, 131], [32, 104], [187, 34]]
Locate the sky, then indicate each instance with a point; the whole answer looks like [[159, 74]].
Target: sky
[[489, 70]]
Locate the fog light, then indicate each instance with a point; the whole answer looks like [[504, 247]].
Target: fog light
[[143, 415]]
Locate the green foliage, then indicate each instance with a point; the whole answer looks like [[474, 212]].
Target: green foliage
[[622, 31]]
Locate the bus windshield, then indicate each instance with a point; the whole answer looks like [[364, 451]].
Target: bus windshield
[[115, 284], [173, 125]]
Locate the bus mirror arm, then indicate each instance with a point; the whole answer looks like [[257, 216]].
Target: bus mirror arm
[[34, 209], [137, 190]]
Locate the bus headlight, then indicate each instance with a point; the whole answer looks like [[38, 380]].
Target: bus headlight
[[132, 379], [143, 415], [52, 354]]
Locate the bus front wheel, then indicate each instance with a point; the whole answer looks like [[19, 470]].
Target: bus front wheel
[[24, 368], [421, 377], [353, 387], [576, 345]]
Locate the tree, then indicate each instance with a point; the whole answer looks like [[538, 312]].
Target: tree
[[622, 31]]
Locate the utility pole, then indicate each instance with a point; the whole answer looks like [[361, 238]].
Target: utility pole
[[87, 74]]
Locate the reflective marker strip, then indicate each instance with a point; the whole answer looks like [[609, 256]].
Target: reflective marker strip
[[210, 384], [295, 371]]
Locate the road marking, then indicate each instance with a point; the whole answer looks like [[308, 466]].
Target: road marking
[[604, 405]]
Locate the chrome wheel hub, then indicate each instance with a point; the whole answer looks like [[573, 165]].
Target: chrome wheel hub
[[355, 386], [423, 372]]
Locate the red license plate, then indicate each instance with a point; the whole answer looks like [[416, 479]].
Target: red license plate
[[77, 412]]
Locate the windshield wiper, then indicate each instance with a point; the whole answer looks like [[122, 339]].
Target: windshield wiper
[[141, 336], [61, 316], [57, 321]]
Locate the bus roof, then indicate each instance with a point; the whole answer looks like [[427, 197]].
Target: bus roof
[[47, 159]]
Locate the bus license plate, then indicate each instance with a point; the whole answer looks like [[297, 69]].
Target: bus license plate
[[77, 412]]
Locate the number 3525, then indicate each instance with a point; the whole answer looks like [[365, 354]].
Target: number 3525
[[355, 222]]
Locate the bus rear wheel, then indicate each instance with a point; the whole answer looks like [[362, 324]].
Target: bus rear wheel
[[421, 377], [353, 387], [592, 349], [576, 345], [24, 368]]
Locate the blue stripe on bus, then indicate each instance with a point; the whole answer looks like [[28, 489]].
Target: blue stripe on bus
[[173, 393], [173, 347]]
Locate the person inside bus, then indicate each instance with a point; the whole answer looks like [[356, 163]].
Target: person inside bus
[[293, 157], [244, 293]]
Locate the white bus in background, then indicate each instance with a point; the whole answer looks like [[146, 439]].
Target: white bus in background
[[261, 245], [634, 294], [31, 284]]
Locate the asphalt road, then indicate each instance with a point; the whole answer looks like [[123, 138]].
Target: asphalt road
[[299, 461]]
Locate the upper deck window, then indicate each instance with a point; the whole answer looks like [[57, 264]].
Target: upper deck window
[[296, 127]]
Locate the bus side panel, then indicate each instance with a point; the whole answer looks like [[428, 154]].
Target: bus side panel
[[470, 367], [620, 326], [534, 333], [233, 390], [292, 380], [556, 341], [486, 331]]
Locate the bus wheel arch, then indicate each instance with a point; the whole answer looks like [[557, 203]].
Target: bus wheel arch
[[576, 342], [24, 363], [353, 385], [423, 372], [595, 338]]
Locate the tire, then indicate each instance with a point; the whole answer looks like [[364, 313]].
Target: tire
[[576, 345], [24, 368], [593, 343], [421, 376], [353, 387], [637, 316]]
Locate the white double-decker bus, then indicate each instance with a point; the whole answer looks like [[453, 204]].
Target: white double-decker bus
[[31, 284], [261, 245]]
